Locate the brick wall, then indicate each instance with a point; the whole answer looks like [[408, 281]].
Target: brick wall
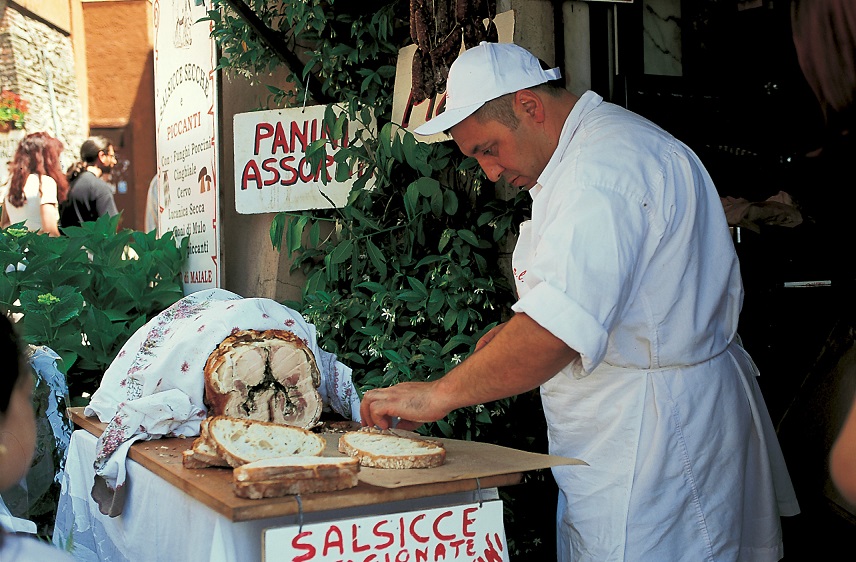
[[37, 62]]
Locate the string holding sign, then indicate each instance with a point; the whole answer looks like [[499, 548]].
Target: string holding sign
[[299, 513], [478, 491]]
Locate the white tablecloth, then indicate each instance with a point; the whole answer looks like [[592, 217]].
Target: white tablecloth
[[161, 522]]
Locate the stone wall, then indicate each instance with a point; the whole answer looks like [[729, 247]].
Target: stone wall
[[37, 62]]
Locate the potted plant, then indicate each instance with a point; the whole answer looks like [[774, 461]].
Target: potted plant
[[13, 110]]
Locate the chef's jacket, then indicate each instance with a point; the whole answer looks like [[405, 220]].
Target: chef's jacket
[[628, 260]]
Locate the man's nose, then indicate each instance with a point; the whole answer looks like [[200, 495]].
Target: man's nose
[[492, 170]]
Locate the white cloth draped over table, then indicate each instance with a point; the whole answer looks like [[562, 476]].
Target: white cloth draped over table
[[154, 388], [160, 522]]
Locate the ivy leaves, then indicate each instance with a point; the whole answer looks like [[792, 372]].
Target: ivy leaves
[[346, 47]]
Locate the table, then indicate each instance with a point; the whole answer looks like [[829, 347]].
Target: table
[[173, 513]]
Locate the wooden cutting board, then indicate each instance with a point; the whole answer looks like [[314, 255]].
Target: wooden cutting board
[[469, 466]]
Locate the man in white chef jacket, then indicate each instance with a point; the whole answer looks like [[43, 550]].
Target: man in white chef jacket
[[629, 296]]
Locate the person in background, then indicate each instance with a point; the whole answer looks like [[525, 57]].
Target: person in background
[[4, 189], [152, 205], [18, 443], [629, 295], [824, 34], [90, 196], [36, 185]]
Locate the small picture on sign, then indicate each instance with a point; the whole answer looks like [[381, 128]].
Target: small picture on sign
[[204, 180]]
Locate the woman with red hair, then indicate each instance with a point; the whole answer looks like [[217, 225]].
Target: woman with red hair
[[37, 185]]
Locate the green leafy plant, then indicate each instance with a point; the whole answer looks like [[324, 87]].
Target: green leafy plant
[[346, 48], [81, 295], [407, 276], [13, 109], [84, 294]]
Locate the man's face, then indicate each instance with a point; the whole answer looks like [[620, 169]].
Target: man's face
[[107, 159], [512, 155]]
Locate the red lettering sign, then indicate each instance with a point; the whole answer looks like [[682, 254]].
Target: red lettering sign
[[279, 140], [251, 173], [468, 521], [354, 544], [413, 533]]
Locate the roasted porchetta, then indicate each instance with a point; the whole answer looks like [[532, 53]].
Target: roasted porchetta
[[268, 375]]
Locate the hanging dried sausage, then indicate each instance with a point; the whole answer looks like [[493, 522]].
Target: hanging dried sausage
[[422, 80], [444, 55], [423, 24], [413, 35], [462, 10], [474, 33]]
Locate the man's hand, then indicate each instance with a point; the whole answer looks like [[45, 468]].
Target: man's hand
[[414, 402]]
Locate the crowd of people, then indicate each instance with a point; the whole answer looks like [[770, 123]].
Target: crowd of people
[[45, 199]]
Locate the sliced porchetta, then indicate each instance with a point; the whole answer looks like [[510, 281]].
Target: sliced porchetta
[[268, 375]]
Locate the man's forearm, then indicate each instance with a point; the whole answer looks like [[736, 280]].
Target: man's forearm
[[520, 357]]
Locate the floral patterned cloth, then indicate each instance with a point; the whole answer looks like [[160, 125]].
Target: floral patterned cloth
[[154, 388]]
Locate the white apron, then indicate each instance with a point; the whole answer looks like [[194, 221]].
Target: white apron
[[684, 463]]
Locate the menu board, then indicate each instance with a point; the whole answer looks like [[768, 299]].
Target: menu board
[[187, 145]]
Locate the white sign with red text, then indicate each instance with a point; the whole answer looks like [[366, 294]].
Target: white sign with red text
[[186, 118], [471, 533], [272, 172]]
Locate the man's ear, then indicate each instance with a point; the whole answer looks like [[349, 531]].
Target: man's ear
[[529, 102]]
